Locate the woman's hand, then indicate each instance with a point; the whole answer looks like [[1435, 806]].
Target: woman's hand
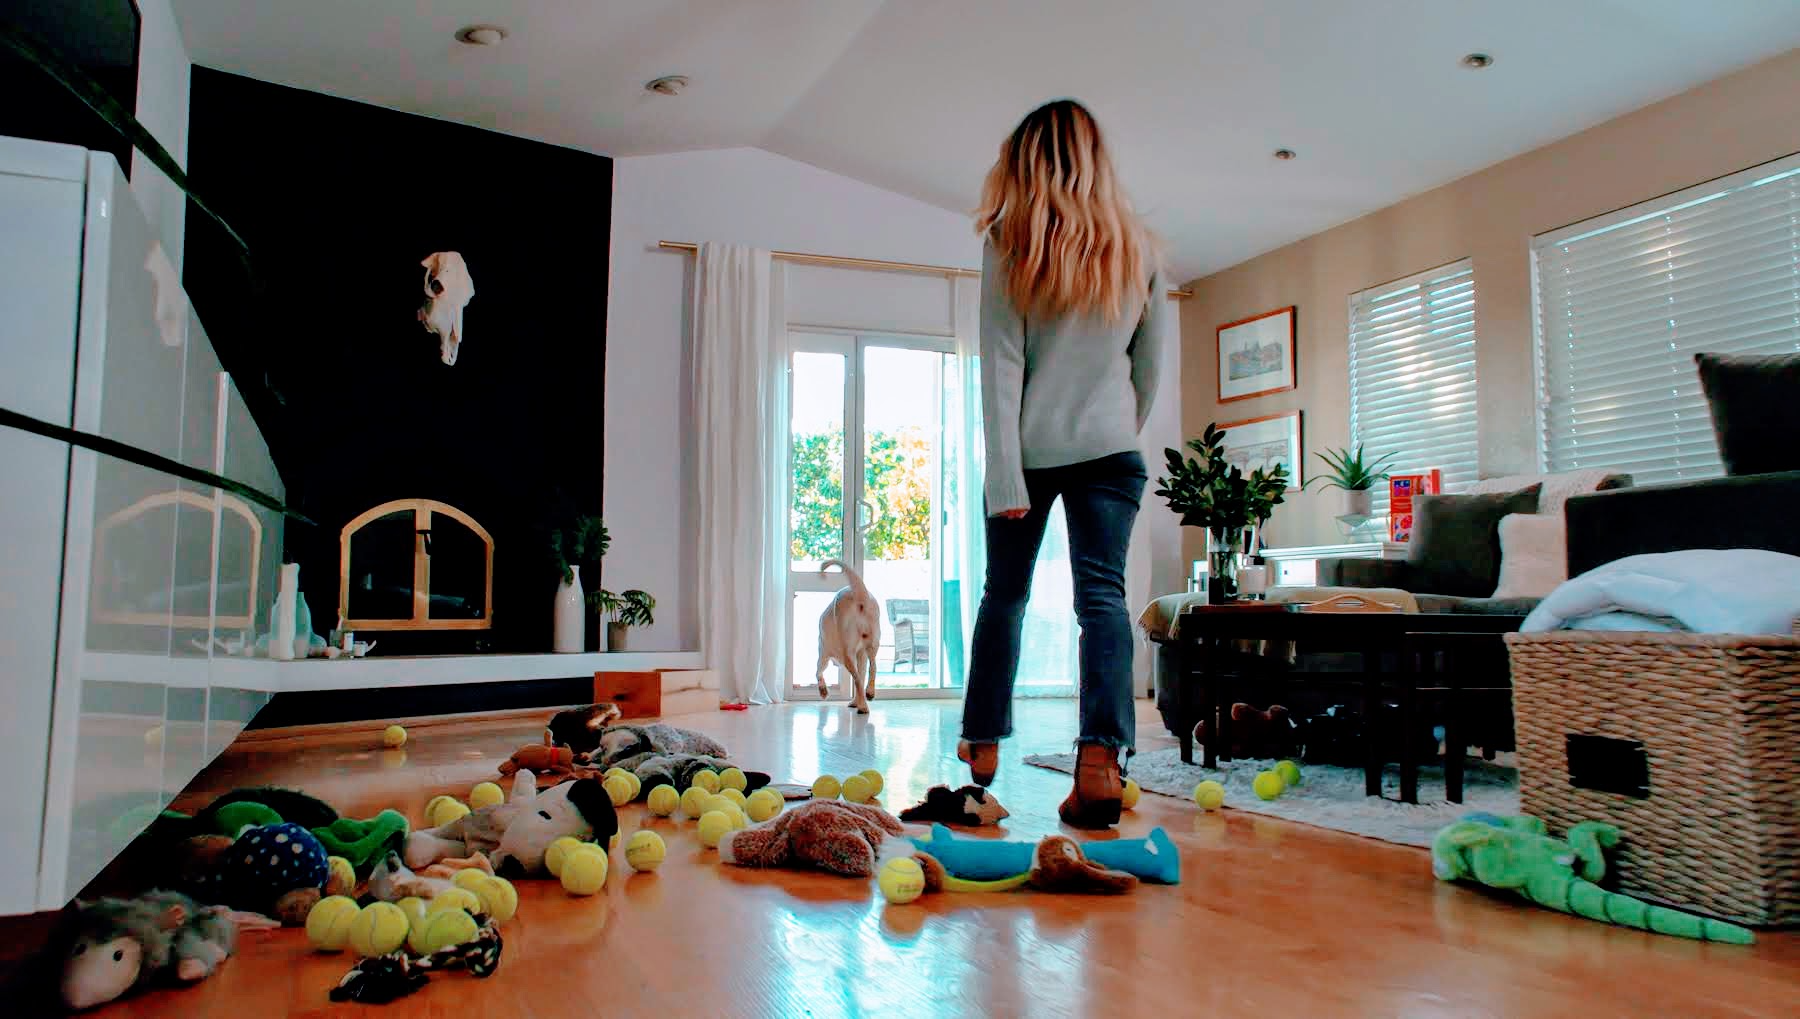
[[1012, 514]]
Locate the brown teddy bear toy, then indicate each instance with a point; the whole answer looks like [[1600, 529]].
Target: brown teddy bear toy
[[828, 835], [1254, 733]]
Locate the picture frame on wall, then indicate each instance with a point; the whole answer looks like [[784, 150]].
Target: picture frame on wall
[[1256, 355], [1264, 442]]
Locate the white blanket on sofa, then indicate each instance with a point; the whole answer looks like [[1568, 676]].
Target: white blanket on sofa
[[1749, 591]]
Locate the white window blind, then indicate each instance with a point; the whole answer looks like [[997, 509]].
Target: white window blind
[[1412, 374], [1625, 301]]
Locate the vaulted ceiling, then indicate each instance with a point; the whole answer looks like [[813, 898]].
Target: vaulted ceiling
[[915, 95]]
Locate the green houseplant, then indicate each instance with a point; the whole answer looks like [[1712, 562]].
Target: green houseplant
[[1211, 493], [573, 540], [1353, 476], [621, 612]]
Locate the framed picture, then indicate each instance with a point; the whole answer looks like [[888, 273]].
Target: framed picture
[[1256, 355], [1264, 442]]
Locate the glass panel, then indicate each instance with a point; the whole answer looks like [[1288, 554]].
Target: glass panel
[[816, 434], [1048, 651], [902, 400], [458, 571], [381, 567], [804, 650]]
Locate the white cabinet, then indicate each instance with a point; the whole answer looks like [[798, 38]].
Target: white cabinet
[[118, 576]]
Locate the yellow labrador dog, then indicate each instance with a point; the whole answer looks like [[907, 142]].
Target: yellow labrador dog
[[850, 634], [447, 289]]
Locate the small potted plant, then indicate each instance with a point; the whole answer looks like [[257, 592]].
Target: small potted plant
[[1211, 493], [1354, 477], [620, 612]]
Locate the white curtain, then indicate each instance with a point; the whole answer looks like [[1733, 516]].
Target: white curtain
[[966, 528], [741, 410]]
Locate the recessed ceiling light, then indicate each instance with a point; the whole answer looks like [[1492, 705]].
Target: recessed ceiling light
[[481, 35], [667, 85], [1285, 154], [1478, 61]]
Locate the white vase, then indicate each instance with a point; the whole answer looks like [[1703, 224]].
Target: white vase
[[283, 617], [1357, 503], [570, 620]]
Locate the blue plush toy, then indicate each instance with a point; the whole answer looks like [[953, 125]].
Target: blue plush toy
[[1152, 859], [279, 869]]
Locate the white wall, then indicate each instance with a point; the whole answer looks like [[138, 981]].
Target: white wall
[[745, 196], [162, 107]]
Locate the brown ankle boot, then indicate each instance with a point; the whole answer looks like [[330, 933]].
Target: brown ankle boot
[[1095, 801], [983, 760]]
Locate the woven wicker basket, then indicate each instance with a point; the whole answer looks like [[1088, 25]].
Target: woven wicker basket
[[1719, 720]]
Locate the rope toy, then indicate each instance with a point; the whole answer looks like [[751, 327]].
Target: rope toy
[[384, 978]]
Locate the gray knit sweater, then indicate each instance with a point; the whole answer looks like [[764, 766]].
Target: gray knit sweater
[[1063, 390]]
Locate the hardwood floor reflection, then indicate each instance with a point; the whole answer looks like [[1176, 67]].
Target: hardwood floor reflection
[[1272, 918]]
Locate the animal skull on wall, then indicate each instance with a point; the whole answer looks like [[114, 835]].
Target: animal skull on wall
[[448, 288]]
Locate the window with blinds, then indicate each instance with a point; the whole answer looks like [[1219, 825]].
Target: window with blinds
[[1625, 301], [1412, 374]]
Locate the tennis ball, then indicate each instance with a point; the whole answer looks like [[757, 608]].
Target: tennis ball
[[612, 842], [1209, 794], [825, 788], [731, 810], [342, 874], [902, 880], [379, 928], [485, 794], [442, 929], [153, 738], [1289, 772], [584, 872], [763, 804], [1267, 785], [645, 851], [413, 907], [448, 809], [733, 778], [858, 789], [1129, 797], [394, 736], [499, 899], [454, 898], [619, 788], [610, 772], [874, 778], [707, 779], [693, 801], [637, 784], [469, 878], [736, 796], [713, 826], [663, 800], [558, 851], [431, 804], [328, 922]]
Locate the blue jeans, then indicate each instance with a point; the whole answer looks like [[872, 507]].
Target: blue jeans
[[1100, 503]]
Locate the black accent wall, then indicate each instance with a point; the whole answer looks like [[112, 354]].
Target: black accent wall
[[340, 201]]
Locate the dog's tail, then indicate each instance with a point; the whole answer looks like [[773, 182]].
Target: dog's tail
[[856, 581]]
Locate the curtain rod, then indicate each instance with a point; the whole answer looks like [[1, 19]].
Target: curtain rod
[[805, 258]]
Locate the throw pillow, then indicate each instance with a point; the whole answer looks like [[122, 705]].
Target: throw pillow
[[1755, 404], [1456, 541], [1534, 555]]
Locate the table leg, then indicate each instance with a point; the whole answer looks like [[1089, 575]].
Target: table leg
[[1187, 674], [1409, 724], [1209, 704], [1372, 757]]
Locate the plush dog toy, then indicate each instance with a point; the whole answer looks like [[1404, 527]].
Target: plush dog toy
[[579, 729], [971, 805], [515, 834], [1516, 854], [551, 764], [120, 945], [829, 835], [448, 288], [1254, 733]]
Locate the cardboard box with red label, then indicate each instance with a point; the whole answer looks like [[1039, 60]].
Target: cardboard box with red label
[[1402, 490]]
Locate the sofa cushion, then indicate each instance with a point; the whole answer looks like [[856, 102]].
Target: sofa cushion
[[1439, 603], [1557, 488], [1456, 541], [1755, 404], [1534, 555]]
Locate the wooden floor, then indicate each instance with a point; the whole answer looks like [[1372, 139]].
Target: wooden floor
[[1272, 918]]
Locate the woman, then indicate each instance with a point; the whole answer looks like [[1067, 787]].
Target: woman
[[1072, 317]]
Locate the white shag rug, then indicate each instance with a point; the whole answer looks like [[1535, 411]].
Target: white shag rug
[[1330, 796]]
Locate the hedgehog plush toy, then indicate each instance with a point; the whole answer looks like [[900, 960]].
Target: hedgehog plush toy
[[971, 805]]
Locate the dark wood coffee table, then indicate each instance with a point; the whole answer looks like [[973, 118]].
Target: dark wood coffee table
[[1205, 689]]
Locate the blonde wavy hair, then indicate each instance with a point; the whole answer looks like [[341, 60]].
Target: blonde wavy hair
[[1053, 208]]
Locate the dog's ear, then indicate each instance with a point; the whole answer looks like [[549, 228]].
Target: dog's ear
[[434, 261]]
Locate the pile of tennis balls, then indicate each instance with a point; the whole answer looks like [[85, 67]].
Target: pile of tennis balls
[[581, 866], [861, 787], [335, 922], [1267, 785]]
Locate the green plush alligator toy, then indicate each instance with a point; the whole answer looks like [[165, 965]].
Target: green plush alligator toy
[[1515, 853]]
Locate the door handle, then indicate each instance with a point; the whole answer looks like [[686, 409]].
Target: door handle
[[865, 515]]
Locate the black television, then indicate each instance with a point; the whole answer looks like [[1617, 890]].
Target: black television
[[98, 36]]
